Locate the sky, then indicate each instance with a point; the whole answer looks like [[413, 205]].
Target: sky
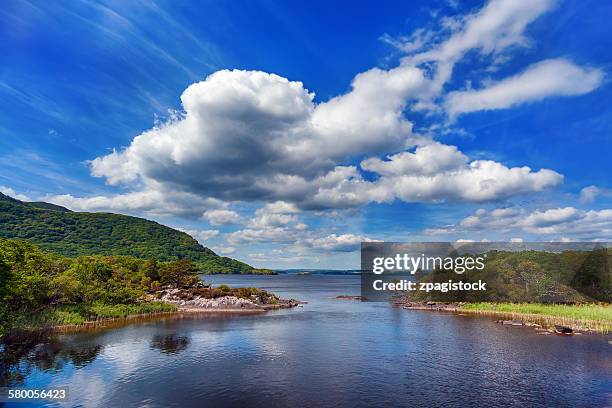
[[284, 133]]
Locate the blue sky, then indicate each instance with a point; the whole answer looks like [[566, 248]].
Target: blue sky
[[284, 133]]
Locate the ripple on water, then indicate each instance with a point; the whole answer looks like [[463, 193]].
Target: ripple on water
[[328, 353]]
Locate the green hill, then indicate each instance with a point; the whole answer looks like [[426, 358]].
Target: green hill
[[72, 234]]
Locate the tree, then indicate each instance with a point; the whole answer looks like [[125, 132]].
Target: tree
[[151, 269], [179, 273], [593, 277]]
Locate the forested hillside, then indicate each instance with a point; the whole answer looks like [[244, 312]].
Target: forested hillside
[[72, 234]]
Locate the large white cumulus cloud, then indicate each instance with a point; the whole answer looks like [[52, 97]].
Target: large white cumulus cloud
[[254, 136], [250, 135]]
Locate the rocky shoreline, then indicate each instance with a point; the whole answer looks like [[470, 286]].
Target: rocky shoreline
[[230, 300]]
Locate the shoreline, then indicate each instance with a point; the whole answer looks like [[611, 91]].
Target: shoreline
[[540, 322], [113, 322], [143, 317], [178, 303]]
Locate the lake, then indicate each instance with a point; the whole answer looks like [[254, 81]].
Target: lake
[[330, 353]]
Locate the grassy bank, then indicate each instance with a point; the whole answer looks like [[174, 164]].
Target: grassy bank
[[597, 317], [79, 314]]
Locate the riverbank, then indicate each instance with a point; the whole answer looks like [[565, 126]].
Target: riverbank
[[21, 333], [580, 318], [79, 314], [168, 303]]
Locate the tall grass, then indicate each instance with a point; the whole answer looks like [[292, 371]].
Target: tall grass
[[79, 314], [587, 316]]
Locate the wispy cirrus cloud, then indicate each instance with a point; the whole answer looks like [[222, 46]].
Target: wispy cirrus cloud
[[554, 77]]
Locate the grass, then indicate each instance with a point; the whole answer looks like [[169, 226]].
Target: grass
[[596, 317], [79, 314]]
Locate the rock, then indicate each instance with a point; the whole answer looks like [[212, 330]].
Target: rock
[[513, 323], [346, 297], [563, 329], [223, 302], [430, 303], [200, 298]]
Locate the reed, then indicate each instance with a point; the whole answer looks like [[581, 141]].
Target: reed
[[592, 317], [82, 314]]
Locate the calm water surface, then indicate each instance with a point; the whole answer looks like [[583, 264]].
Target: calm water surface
[[327, 353]]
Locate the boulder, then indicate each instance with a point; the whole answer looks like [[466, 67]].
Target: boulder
[[563, 329]]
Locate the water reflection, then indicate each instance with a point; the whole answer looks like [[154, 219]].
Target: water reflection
[[170, 343], [328, 353], [43, 352]]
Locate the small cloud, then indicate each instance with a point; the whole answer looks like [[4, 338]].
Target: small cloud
[[590, 193], [338, 243], [12, 193], [201, 235], [227, 250], [222, 217]]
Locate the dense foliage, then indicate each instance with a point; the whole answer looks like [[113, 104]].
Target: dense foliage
[[35, 284], [533, 276], [72, 234]]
